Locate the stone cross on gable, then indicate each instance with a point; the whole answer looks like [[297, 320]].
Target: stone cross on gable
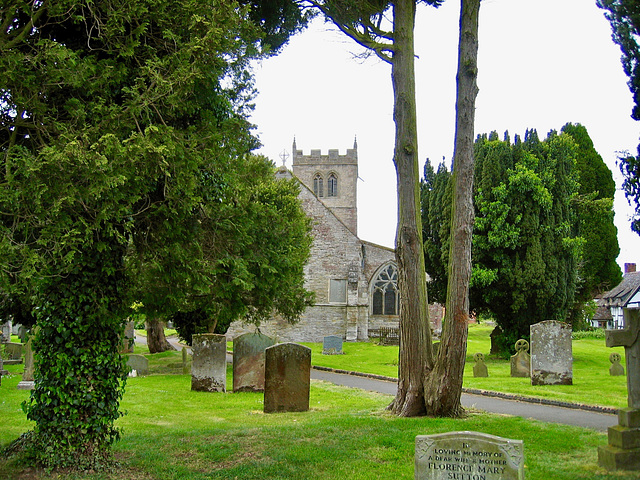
[[629, 338]]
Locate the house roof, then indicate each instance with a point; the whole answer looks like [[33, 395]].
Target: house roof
[[620, 295]]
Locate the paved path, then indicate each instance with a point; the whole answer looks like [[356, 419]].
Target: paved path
[[545, 413]]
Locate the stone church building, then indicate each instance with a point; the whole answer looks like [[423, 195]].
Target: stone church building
[[355, 281]]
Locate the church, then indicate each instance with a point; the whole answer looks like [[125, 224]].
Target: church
[[355, 281]]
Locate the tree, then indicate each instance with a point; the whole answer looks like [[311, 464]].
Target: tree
[[116, 124], [422, 387], [624, 16]]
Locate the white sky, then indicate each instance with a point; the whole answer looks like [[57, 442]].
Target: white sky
[[542, 63]]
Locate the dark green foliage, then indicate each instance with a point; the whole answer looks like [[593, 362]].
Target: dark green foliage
[[624, 16], [122, 125]]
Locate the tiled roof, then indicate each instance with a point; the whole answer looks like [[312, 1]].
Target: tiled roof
[[620, 295]]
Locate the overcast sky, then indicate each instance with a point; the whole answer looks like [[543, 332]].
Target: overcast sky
[[542, 63]]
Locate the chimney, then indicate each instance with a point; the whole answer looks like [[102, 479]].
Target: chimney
[[629, 268]]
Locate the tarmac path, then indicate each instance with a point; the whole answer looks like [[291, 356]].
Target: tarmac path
[[567, 414]]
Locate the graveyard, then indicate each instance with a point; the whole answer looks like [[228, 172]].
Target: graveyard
[[170, 431]]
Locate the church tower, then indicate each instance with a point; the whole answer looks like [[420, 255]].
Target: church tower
[[333, 178]]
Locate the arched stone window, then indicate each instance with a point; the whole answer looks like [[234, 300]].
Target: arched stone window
[[318, 185], [332, 185], [384, 291]]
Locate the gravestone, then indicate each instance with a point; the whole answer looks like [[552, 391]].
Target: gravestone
[[521, 361], [128, 338], [623, 450], [209, 363], [22, 333], [27, 382], [480, 368], [248, 361], [13, 351], [495, 333], [287, 378], [615, 370], [5, 333], [332, 345], [551, 353], [139, 363], [185, 361], [2, 370], [468, 456]]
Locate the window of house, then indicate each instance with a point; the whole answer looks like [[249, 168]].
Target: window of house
[[318, 185], [332, 185], [337, 291], [385, 292]]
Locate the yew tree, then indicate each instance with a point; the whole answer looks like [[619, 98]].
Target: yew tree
[[426, 384]]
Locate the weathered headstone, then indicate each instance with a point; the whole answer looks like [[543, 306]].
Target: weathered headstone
[[128, 338], [616, 369], [332, 345], [287, 378], [551, 353], [495, 333], [623, 450], [480, 368], [521, 361], [139, 363], [13, 352], [22, 333], [248, 361], [468, 456], [5, 333], [209, 364], [27, 382]]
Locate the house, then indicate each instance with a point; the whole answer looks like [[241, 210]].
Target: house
[[355, 281], [625, 295]]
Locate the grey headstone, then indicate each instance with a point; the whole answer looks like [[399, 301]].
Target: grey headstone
[[22, 333], [27, 374], [209, 364], [128, 338], [248, 361], [287, 378], [332, 345], [616, 369], [13, 352], [139, 363], [5, 333], [551, 353], [521, 361], [468, 456], [480, 368]]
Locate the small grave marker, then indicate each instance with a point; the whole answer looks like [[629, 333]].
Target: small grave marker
[[248, 361], [616, 369], [332, 345], [209, 364], [287, 378], [521, 361], [468, 456], [480, 368]]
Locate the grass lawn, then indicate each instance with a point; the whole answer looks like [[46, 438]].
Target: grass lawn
[[170, 432]]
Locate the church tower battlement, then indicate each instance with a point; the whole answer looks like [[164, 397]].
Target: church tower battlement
[[333, 178]]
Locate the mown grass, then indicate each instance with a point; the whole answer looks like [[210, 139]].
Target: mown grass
[[170, 432]]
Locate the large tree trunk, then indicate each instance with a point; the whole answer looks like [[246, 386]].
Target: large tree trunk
[[443, 387], [156, 339], [416, 355]]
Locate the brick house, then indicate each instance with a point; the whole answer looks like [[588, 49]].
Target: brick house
[[355, 281]]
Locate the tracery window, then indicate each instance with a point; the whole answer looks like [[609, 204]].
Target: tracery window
[[385, 291], [332, 185], [318, 185]]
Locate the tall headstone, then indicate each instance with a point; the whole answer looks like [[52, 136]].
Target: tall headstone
[[551, 353], [128, 339], [521, 361], [27, 382], [209, 364], [468, 456], [623, 450], [287, 378], [5, 333], [332, 345], [480, 368], [248, 361], [615, 370]]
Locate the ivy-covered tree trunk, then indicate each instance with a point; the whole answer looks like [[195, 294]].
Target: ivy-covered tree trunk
[[443, 386], [80, 376], [416, 356], [156, 339]]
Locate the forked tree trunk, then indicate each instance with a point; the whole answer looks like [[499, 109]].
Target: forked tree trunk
[[156, 339], [443, 387], [416, 357]]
